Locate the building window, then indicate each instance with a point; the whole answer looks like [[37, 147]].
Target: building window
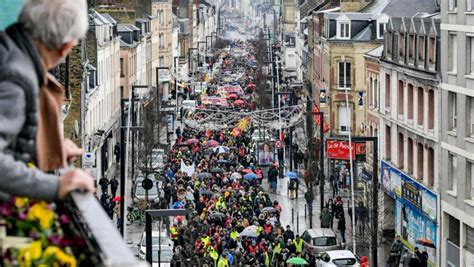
[[421, 105], [161, 40], [387, 91], [432, 50], [388, 142], [431, 109], [400, 97], [452, 109], [470, 53], [419, 161], [376, 93], [344, 75], [470, 5], [452, 53], [389, 42], [421, 51], [161, 62], [371, 90], [452, 167], [401, 47], [452, 5], [430, 166], [411, 47], [470, 180], [401, 151], [410, 97], [410, 156], [381, 26], [343, 30], [470, 116], [343, 119]]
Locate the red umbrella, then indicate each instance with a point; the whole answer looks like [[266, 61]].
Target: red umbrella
[[239, 102], [117, 199], [212, 143], [232, 96], [247, 171], [192, 141], [251, 85]]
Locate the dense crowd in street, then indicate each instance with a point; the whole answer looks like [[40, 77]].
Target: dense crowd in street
[[214, 174]]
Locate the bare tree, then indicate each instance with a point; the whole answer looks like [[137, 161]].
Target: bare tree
[[152, 137], [261, 55]]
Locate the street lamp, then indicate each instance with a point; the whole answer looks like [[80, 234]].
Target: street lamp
[[175, 82], [375, 190]]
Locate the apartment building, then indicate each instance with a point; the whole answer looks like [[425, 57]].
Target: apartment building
[[102, 93], [409, 129], [457, 133]]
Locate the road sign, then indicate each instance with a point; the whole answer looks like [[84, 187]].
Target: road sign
[[147, 184], [278, 144], [88, 159]]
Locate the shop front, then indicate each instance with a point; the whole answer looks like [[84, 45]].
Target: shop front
[[415, 210]]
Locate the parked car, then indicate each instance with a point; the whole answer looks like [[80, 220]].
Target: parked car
[[337, 258], [166, 256], [165, 242], [320, 240]]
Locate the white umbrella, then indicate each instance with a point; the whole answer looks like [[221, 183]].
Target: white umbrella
[[250, 231], [236, 176]]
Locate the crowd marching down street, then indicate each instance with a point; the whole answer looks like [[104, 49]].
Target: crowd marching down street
[[214, 174]]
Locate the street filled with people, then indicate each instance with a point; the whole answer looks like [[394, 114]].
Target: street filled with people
[[215, 174]]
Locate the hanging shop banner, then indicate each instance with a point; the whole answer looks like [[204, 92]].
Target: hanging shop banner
[[322, 97], [340, 150]]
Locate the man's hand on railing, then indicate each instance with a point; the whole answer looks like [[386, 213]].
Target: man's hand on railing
[[74, 180]]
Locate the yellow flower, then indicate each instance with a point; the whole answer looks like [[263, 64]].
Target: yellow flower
[[36, 250], [20, 202], [43, 214], [24, 257]]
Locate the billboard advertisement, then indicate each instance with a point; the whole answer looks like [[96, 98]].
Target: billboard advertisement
[[415, 209], [266, 153]]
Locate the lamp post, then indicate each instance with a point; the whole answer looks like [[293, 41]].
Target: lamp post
[[175, 67], [189, 57], [375, 191]]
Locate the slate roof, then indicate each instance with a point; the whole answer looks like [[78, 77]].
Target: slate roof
[[126, 28], [376, 52], [309, 6], [366, 34], [403, 8]]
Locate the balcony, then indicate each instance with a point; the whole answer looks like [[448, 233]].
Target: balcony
[[86, 234]]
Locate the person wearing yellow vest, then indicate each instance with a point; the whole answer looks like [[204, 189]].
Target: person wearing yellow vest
[[298, 242], [220, 204], [213, 254], [223, 262], [276, 252], [174, 234], [266, 259]]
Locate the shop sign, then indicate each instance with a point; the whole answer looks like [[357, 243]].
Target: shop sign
[[340, 149], [322, 97], [88, 159]]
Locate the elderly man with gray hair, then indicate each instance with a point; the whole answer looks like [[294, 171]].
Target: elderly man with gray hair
[[45, 34]]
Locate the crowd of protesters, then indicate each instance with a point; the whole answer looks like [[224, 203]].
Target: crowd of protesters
[[213, 173]]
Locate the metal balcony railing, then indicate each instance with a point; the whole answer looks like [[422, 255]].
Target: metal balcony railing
[[105, 246]]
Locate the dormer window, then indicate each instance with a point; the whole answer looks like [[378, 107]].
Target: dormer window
[[343, 27], [343, 30], [382, 26]]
